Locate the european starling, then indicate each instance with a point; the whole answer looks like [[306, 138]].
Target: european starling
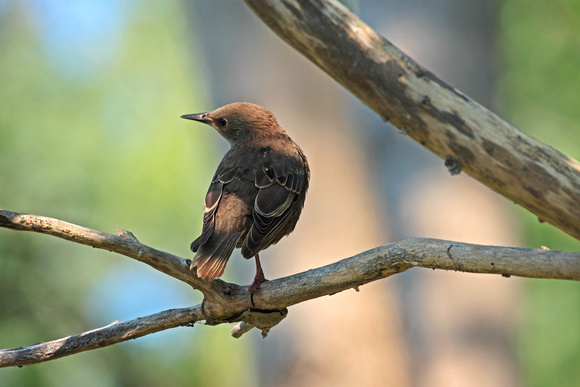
[[257, 193]]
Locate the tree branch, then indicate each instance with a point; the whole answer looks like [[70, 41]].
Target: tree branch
[[169, 264], [113, 333], [468, 136], [225, 302]]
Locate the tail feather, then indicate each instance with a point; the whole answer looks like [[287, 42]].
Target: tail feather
[[212, 257], [209, 268]]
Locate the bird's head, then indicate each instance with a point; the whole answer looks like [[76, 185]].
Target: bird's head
[[240, 121]]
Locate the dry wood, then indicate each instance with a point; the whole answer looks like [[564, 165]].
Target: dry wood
[[467, 135], [113, 333], [225, 302]]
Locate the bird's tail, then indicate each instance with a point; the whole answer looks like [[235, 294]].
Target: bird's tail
[[212, 257]]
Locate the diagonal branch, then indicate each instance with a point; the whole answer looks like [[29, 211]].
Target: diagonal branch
[[126, 244], [111, 334], [468, 136], [225, 302]]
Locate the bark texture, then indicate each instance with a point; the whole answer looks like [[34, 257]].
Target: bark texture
[[465, 134], [225, 302]]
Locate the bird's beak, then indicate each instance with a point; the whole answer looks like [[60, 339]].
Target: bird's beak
[[201, 117]]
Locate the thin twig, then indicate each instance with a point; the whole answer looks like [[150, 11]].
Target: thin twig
[[113, 333]]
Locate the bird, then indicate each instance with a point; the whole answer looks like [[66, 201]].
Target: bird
[[257, 192]]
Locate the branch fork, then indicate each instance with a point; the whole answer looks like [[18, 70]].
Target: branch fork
[[226, 302], [423, 107]]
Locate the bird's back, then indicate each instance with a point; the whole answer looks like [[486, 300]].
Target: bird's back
[[254, 199]]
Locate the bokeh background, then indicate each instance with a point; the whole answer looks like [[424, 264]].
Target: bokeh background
[[90, 95]]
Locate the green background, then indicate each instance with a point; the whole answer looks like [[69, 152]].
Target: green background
[[107, 150]]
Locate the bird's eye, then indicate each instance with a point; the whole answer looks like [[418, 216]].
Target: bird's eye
[[223, 122]]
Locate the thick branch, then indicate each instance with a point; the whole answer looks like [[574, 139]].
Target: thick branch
[[468, 136], [397, 257]]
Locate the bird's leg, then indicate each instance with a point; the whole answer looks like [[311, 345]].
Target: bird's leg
[[259, 278]]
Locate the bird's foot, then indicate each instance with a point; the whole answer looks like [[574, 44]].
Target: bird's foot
[[258, 279]]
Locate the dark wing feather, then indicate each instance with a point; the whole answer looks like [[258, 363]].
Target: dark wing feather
[[272, 201], [214, 249], [195, 244], [212, 199], [276, 208]]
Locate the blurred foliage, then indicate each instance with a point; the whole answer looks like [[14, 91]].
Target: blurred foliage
[[539, 79], [92, 136], [540, 45], [90, 133]]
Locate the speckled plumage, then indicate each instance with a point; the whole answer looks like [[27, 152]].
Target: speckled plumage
[[257, 193]]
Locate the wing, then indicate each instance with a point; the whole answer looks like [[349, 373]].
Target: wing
[[216, 242], [282, 183]]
